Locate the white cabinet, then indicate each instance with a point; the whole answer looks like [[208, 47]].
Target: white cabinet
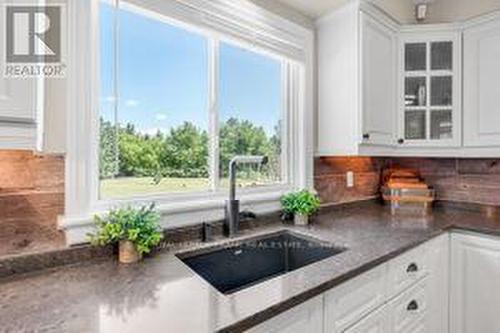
[[17, 100], [389, 298], [482, 84], [410, 312], [407, 269], [378, 81], [438, 261], [347, 303], [386, 89], [407, 313], [376, 322], [356, 80], [18, 114], [307, 317], [475, 287], [430, 91], [407, 294], [18, 107]]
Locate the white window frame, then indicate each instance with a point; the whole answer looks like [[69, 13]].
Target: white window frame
[[268, 33]]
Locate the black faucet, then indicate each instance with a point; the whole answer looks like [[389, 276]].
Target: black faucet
[[232, 220]]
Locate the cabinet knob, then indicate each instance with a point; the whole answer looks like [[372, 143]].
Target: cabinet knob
[[401, 141], [366, 136], [412, 306], [412, 268]]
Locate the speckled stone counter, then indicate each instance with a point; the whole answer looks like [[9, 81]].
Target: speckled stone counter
[[161, 294]]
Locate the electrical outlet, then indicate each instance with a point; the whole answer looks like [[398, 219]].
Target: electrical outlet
[[350, 179]]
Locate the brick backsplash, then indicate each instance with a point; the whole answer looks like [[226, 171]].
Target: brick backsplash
[[31, 198], [459, 180], [330, 178]]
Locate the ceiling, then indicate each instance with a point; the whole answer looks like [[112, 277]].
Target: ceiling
[[313, 8], [440, 11]]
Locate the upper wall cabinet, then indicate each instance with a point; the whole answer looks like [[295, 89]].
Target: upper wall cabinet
[[386, 89], [18, 109], [429, 94], [18, 114], [378, 81], [482, 84], [357, 81]]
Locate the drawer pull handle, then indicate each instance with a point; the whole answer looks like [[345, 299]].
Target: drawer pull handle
[[412, 306], [412, 268]]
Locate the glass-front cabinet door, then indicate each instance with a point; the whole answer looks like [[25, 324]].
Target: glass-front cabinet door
[[429, 101]]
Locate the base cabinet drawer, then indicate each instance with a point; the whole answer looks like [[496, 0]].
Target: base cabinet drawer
[[409, 312], [407, 269], [307, 317], [376, 322], [351, 301]]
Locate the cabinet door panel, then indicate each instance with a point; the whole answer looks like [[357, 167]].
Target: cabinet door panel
[[475, 292], [17, 96], [307, 317], [354, 299], [482, 85], [430, 98], [17, 100], [378, 82]]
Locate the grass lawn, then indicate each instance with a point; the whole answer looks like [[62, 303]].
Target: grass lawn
[[129, 186]]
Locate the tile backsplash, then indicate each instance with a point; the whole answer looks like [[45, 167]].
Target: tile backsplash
[[458, 180]]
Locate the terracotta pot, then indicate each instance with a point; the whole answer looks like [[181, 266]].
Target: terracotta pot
[[299, 219], [127, 253]]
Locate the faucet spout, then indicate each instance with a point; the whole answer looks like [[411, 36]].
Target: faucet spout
[[231, 222]]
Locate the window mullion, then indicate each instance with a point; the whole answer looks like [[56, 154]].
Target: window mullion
[[213, 123], [285, 123]]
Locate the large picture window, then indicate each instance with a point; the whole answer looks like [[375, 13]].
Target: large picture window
[[157, 129]]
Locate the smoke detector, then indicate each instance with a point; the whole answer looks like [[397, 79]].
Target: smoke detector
[[421, 7]]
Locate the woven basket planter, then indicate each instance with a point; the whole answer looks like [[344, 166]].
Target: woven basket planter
[[127, 253]]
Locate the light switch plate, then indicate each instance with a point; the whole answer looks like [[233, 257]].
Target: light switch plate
[[350, 179]]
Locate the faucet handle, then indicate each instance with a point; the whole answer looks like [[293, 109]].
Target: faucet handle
[[207, 232], [248, 215]]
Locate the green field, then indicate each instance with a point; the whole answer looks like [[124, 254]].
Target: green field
[[133, 186]]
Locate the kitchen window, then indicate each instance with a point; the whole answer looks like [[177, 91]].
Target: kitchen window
[[161, 94], [177, 103]]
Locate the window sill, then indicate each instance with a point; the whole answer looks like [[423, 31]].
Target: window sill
[[177, 213]]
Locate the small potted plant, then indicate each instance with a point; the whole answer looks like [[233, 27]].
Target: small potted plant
[[136, 230], [301, 205]]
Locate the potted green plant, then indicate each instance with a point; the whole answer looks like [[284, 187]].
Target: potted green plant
[[301, 205], [136, 230]]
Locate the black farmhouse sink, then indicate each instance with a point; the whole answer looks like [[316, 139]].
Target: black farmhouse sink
[[249, 262]]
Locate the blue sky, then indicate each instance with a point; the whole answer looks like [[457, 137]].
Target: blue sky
[[163, 77]]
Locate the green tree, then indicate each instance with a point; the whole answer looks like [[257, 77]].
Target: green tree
[[186, 152], [108, 152], [140, 155], [241, 137], [183, 152]]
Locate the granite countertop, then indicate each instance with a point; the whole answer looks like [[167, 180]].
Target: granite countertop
[[161, 294]]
